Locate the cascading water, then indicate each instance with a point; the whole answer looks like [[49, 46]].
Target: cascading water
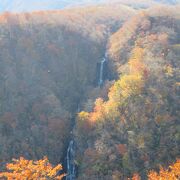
[[71, 165], [71, 169], [101, 75]]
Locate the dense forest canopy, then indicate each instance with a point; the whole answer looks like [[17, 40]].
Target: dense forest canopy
[[128, 127], [47, 66], [137, 128]]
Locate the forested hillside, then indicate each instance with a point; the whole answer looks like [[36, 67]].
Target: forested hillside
[[137, 128], [50, 66], [47, 64], [26, 5]]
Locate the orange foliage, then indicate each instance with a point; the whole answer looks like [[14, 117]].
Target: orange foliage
[[136, 177], [98, 112], [83, 122], [120, 39], [131, 85], [172, 173], [23, 169], [135, 63]]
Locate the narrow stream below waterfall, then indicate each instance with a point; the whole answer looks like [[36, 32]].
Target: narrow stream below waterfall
[[70, 158], [71, 168]]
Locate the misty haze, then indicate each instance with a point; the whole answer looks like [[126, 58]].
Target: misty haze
[[89, 89]]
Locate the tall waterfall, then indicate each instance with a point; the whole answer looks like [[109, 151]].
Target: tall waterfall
[[71, 169], [101, 75], [70, 156]]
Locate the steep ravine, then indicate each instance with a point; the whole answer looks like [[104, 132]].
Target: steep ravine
[[69, 161]]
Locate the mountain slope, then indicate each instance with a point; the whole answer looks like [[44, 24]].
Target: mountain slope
[[47, 65], [136, 127]]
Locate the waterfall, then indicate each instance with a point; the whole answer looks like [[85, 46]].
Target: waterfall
[[71, 169], [101, 75], [71, 166]]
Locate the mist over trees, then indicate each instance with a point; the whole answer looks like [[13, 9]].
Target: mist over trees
[[136, 129], [47, 66], [128, 128]]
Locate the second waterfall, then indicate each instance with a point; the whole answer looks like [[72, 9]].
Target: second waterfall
[[71, 169]]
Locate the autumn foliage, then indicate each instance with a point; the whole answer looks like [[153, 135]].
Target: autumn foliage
[[48, 69], [135, 128], [22, 169], [47, 65], [171, 173]]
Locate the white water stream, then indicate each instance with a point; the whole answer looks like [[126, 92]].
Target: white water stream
[[70, 156]]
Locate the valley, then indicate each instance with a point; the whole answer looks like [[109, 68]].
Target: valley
[[94, 88]]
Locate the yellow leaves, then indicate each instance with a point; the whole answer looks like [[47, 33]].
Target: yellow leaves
[[83, 115], [99, 111], [22, 169], [168, 70], [128, 85], [111, 109], [136, 65], [82, 119], [99, 105], [114, 94], [137, 53], [131, 85], [172, 173]]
